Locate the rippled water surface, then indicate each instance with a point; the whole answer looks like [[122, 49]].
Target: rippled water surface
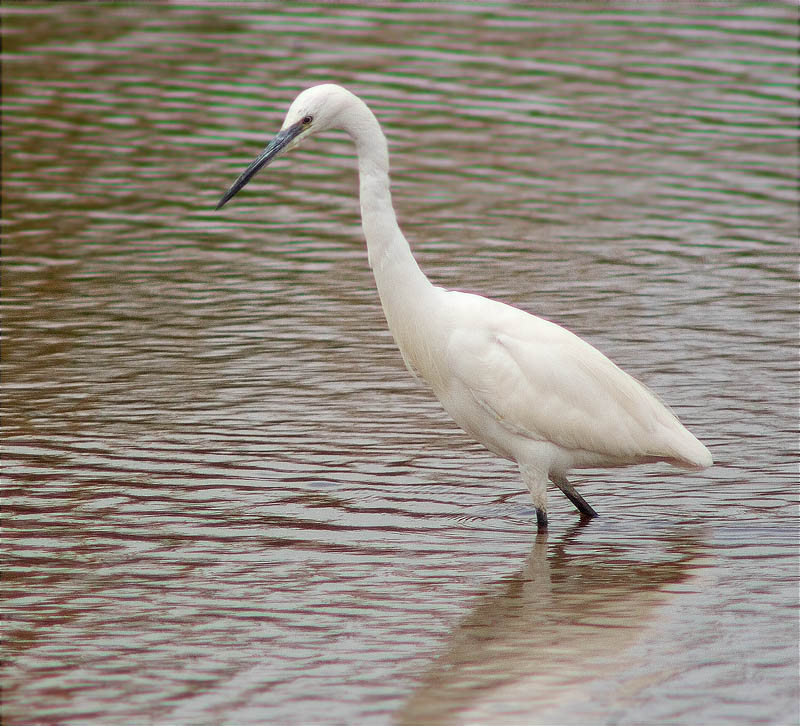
[[226, 499]]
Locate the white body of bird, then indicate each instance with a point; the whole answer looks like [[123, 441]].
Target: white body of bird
[[527, 389]]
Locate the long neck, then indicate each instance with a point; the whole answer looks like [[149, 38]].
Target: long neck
[[390, 257], [408, 299]]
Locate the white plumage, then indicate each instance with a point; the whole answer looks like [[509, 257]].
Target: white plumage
[[526, 388]]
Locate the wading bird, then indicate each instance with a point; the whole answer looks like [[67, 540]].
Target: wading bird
[[526, 388]]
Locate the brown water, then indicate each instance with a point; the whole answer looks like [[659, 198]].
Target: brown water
[[225, 499]]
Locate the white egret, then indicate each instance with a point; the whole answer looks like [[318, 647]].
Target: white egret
[[527, 389]]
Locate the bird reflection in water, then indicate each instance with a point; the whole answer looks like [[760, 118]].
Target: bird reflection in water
[[562, 622]]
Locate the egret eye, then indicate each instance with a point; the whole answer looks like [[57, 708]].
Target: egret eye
[[307, 120]]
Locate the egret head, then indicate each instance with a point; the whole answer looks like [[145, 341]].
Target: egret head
[[315, 109]]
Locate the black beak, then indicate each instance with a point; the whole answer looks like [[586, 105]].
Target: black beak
[[273, 151]]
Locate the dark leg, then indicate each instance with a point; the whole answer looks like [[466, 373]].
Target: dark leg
[[572, 494], [541, 519]]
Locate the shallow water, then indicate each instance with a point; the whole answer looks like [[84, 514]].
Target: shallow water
[[226, 500]]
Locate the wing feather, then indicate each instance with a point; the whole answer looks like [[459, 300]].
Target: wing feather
[[538, 379]]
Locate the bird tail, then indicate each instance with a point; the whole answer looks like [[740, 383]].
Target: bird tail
[[689, 452]]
